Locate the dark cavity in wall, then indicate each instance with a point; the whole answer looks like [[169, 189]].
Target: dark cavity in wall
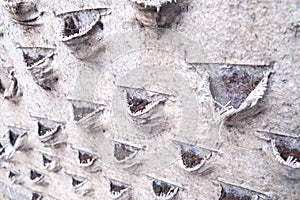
[[11, 174], [13, 137], [235, 83], [123, 151], [190, 158], [114, 187], [34, 175], [42, 129], [36, 196], [30, 60], [136, 104], [161, 188], [46, 160], [85, 158], [70, 26], [232, 196], [285, 151], [76, 181], [2, 88]]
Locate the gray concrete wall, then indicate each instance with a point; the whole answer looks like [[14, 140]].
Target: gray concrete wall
[[233, 43]]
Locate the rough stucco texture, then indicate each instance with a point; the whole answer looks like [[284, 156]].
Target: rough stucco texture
[[206, 37]]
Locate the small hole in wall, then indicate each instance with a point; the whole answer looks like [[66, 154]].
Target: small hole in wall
[[286, 152], [233, 195], [34, 174], [190, 158], [46, 160], [36, 196], [84, 158]]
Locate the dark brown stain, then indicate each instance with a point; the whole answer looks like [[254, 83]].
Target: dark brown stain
[[190, 159], [239, 84]]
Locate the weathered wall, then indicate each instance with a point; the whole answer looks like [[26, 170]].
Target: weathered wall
[[207, 37]]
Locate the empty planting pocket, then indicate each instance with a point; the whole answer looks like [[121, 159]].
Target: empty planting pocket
[[141, 102], [38, 62], [164, 191], [81, 30], [81, 186], [233, 192], [47, 131], [124, 152], [11, 174], [37, 178], [85, 159], [51, 163], [287, 152], [193, 158], [36, 196], [159, 14], [119, 190], [79, 23], [233, 195], [87, 115], [14, 177], [13, 92], [237, 90], [23, 12], [77, 181], [146, 111]]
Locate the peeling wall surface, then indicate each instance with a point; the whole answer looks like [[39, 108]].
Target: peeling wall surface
[[155, 99]]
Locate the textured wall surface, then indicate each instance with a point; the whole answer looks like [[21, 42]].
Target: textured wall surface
[[68, 131]]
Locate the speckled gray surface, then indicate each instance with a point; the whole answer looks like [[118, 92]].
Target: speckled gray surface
[[207, 37]]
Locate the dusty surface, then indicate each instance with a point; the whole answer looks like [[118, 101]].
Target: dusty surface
[[208, 36]]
